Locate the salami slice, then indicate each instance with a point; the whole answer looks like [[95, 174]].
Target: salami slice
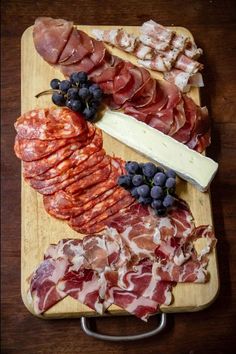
[[61, 206], [50, 123], [35, 149], [100, 174], [99, 223], [71, 172], [86, 178], [99, 208], [94, 191], [34, 168]]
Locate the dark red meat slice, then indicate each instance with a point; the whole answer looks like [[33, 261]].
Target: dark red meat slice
[[50, 124], [50, 37], [98, 53], [86, 41], [74, 50], [145, 95], [86, 64], [161, 120]]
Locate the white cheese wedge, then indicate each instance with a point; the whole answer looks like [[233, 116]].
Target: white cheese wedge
[[168, 152]]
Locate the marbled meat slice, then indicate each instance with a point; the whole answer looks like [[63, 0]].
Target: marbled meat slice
[[50, 124], [43, 283], [50, 37]]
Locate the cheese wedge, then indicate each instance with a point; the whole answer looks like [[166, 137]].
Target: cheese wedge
[[168, 152]]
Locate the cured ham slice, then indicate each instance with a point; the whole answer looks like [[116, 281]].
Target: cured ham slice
[[157, 31], [187, 64], [183, 79], [55, 33]]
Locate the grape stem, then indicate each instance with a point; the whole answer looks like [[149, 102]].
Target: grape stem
[[47, 92]]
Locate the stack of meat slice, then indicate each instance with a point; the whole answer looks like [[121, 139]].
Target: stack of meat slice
[[126, 86], [134, 268], [63, 159]]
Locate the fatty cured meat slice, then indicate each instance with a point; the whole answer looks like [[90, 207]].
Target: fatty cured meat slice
[[187, 64], [100, 222], [35, 149], [200, 135], [157, 31], [97, 176], [83, 178], [71, 172], [34, 168], [74, 50], [50, 37], [83, 285], [100, 207], [50, 124], [81, 154], [43, 284]]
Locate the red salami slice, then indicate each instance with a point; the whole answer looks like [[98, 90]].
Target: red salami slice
[[99, 174], [83, 179], [95, 191], [34, 168], [99, 208], [88, 148], [50, 124], [35, 149], [99, 223], [71, 172]]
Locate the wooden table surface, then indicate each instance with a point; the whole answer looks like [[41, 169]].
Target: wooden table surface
[[213, 24]]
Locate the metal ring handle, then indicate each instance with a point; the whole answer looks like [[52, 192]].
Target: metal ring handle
[[89, 332]]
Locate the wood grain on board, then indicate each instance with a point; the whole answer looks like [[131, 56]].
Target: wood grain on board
[[40, 229]]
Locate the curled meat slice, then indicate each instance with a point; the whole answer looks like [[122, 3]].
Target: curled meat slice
[[50, 124], [74, 50], [50, 37], [157, 31], [187, 64]]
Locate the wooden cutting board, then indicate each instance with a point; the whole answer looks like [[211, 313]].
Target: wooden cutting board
[[38, 229]]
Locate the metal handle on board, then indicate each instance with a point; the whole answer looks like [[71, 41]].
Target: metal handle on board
[[89, 332]]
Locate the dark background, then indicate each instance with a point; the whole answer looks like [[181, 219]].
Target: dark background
[[213, 24]]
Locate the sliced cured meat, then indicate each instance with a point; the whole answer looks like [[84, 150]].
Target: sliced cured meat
[[86, 64], [43, 284], [159, 63], [82, 178], [50, 124], [118, 37], [108, 73], [34, 168], [50, 37], [122, 79], [99, 223], [35, 149], [157, 31], [83, 286], [145, 95], [86, 149], [162, 120], [100, 207], [179, 118], [97, 176], [74, 50], [86, 41], [98, 53], [81, 165], [94, 191], [187, 64]]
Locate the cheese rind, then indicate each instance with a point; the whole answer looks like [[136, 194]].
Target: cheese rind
[[188, 164]]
